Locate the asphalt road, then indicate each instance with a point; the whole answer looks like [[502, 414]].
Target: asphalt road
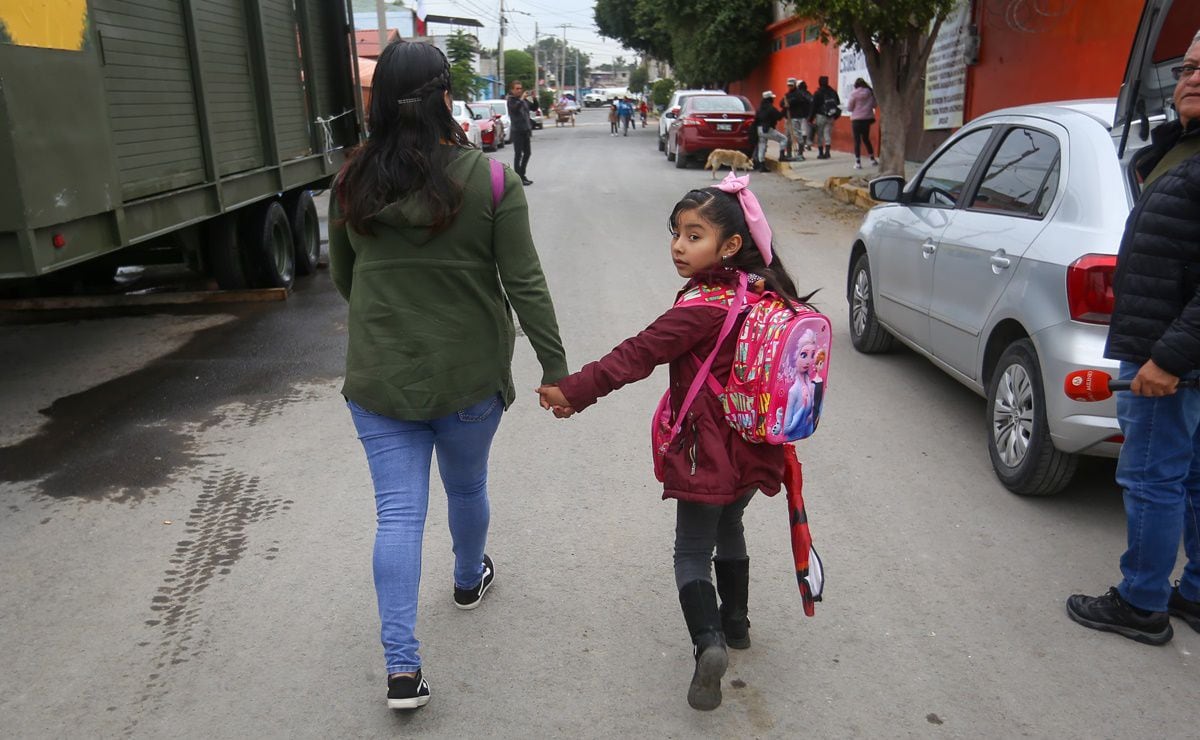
[[186, 525]]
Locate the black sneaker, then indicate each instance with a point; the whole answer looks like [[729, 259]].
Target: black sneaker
[[527, 181], [469, 598], [408, 692], [1188, 611], [1111, 613]]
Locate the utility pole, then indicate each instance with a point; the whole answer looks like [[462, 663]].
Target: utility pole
[[578, 98], [381, 21], [537, 77], [562, 63], [500, 54]]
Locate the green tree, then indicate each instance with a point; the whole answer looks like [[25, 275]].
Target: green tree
[[896, 37], [518, 65], [461, 52], [662, 91], [641, 25], [639, 78], [551, 52]]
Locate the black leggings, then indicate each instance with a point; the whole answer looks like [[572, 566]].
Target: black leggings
[[701, 527], [521, 151], [862, 133]]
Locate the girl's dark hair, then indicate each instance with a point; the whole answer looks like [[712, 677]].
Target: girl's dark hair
[[860, 82], [723, 211], [407, 150]]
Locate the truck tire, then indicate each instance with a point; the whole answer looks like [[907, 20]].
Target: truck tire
[[222, 253], [268, 249], [306, 230]]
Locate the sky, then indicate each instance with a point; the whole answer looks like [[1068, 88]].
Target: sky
[[522, 14]]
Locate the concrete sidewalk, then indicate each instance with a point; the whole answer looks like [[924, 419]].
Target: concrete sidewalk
[[835, 175]]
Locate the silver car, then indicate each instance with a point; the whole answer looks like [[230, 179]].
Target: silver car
[[996, 262]]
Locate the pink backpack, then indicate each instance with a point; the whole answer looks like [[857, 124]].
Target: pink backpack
[[776, 386]]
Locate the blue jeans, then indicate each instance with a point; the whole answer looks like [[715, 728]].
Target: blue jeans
[[1159, 469], [399, 454]]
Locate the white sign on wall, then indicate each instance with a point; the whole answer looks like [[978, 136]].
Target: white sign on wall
[[852, 64], [946, 74]]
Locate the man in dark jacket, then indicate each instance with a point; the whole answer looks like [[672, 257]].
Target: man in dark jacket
[[522, 130], [765, 120], [826, 108], [1155, 333], [798, 103]]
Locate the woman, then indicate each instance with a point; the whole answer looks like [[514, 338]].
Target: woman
[[862, 114], [429, 265]]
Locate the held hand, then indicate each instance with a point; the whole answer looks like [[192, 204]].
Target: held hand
[[550, 396], [563, 412], [1153, 381]]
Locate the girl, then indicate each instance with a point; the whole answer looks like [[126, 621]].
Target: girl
[[716, 233], [862, 114], [429, 263]]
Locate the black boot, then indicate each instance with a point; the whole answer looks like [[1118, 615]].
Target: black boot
[[733, 585], [699, 602]]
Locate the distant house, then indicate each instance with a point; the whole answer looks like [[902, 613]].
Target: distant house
[[367, 41]]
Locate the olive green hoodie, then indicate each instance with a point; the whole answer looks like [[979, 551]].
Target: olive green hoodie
[[431, 329]]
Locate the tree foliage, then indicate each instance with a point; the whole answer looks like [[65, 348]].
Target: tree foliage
[[461, 50], [551, 50], [518, 65], [707, 41], [895, 37], [662, 91], [639, 78]]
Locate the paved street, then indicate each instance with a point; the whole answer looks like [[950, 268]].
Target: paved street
[[186, 526]]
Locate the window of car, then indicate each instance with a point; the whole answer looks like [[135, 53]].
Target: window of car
[[945, 178], [717, 104], [1022, 176], [458, 111]]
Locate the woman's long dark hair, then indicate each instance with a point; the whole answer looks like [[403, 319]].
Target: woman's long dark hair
[[407, 150], [723, 211]]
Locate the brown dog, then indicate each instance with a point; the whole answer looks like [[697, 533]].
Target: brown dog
[[730, 158]]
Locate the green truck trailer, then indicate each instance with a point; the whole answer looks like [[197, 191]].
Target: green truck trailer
[[137, 130]]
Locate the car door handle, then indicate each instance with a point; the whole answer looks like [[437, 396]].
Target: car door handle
[[927, 249], [1000, 262]]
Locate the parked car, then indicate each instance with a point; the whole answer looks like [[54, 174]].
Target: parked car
[[466, 118], [996, 260], [672, 110], [499, 110], [707, 122], [535, 119]]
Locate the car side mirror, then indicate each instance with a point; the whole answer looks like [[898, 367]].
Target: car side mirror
[[672, 113], [887, 189]]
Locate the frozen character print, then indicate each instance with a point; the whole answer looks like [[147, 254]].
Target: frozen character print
[[801, 395]]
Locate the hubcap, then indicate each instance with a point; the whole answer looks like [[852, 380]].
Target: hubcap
[[859, 304], [1012, 415]]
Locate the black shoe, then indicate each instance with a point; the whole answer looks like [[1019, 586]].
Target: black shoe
[[698, 600], [1188, 611], [1111, 613], [733, 586], [408, 692], [526, 181], [469, 598]]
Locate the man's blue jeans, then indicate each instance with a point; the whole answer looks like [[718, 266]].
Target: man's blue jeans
[[399, 454], [1159, 469]]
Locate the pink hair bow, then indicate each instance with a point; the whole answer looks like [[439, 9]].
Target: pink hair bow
[[759, 229]]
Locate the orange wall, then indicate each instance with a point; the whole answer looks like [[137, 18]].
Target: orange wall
[[1079, 54]]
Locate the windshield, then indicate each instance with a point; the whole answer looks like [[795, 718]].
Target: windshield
[[500, 108], [717, 104]]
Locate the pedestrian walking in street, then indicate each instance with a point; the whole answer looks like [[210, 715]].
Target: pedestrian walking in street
[[861, 105], [429, 243], [1155, 334], [644, 110], [522, 130], [765, 120], [625, 111], [798, 104], [718, 235], [613, 117], [826, 108]]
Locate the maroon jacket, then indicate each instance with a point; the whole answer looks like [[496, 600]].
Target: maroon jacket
[[725, 465]]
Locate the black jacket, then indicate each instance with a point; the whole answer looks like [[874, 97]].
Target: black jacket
[[799, 103], [518, 114], [1157, 283], [767, 115], [824, 99]]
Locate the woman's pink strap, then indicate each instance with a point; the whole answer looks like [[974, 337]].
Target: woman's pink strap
[[497, 182], [705, 369]]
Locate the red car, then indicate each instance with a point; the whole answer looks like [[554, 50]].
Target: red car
[[708, 122]]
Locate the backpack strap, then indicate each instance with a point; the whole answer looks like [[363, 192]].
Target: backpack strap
[[497, 182], [705, 371]]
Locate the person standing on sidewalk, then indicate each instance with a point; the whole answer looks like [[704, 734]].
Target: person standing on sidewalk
[[798, 103], [765, 120], [522, 130], [826, 108], [430, 254], [862, 114], [1155, 333]]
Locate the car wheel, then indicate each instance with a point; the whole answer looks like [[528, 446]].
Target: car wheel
[[670, 154], [680, 156], [866, 334], [1023, 455], [662, 145]]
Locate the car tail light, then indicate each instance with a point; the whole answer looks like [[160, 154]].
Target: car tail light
[[1090, 288], [692, 121]]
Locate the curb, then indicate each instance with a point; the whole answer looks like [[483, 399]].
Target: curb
[[838, 187]]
